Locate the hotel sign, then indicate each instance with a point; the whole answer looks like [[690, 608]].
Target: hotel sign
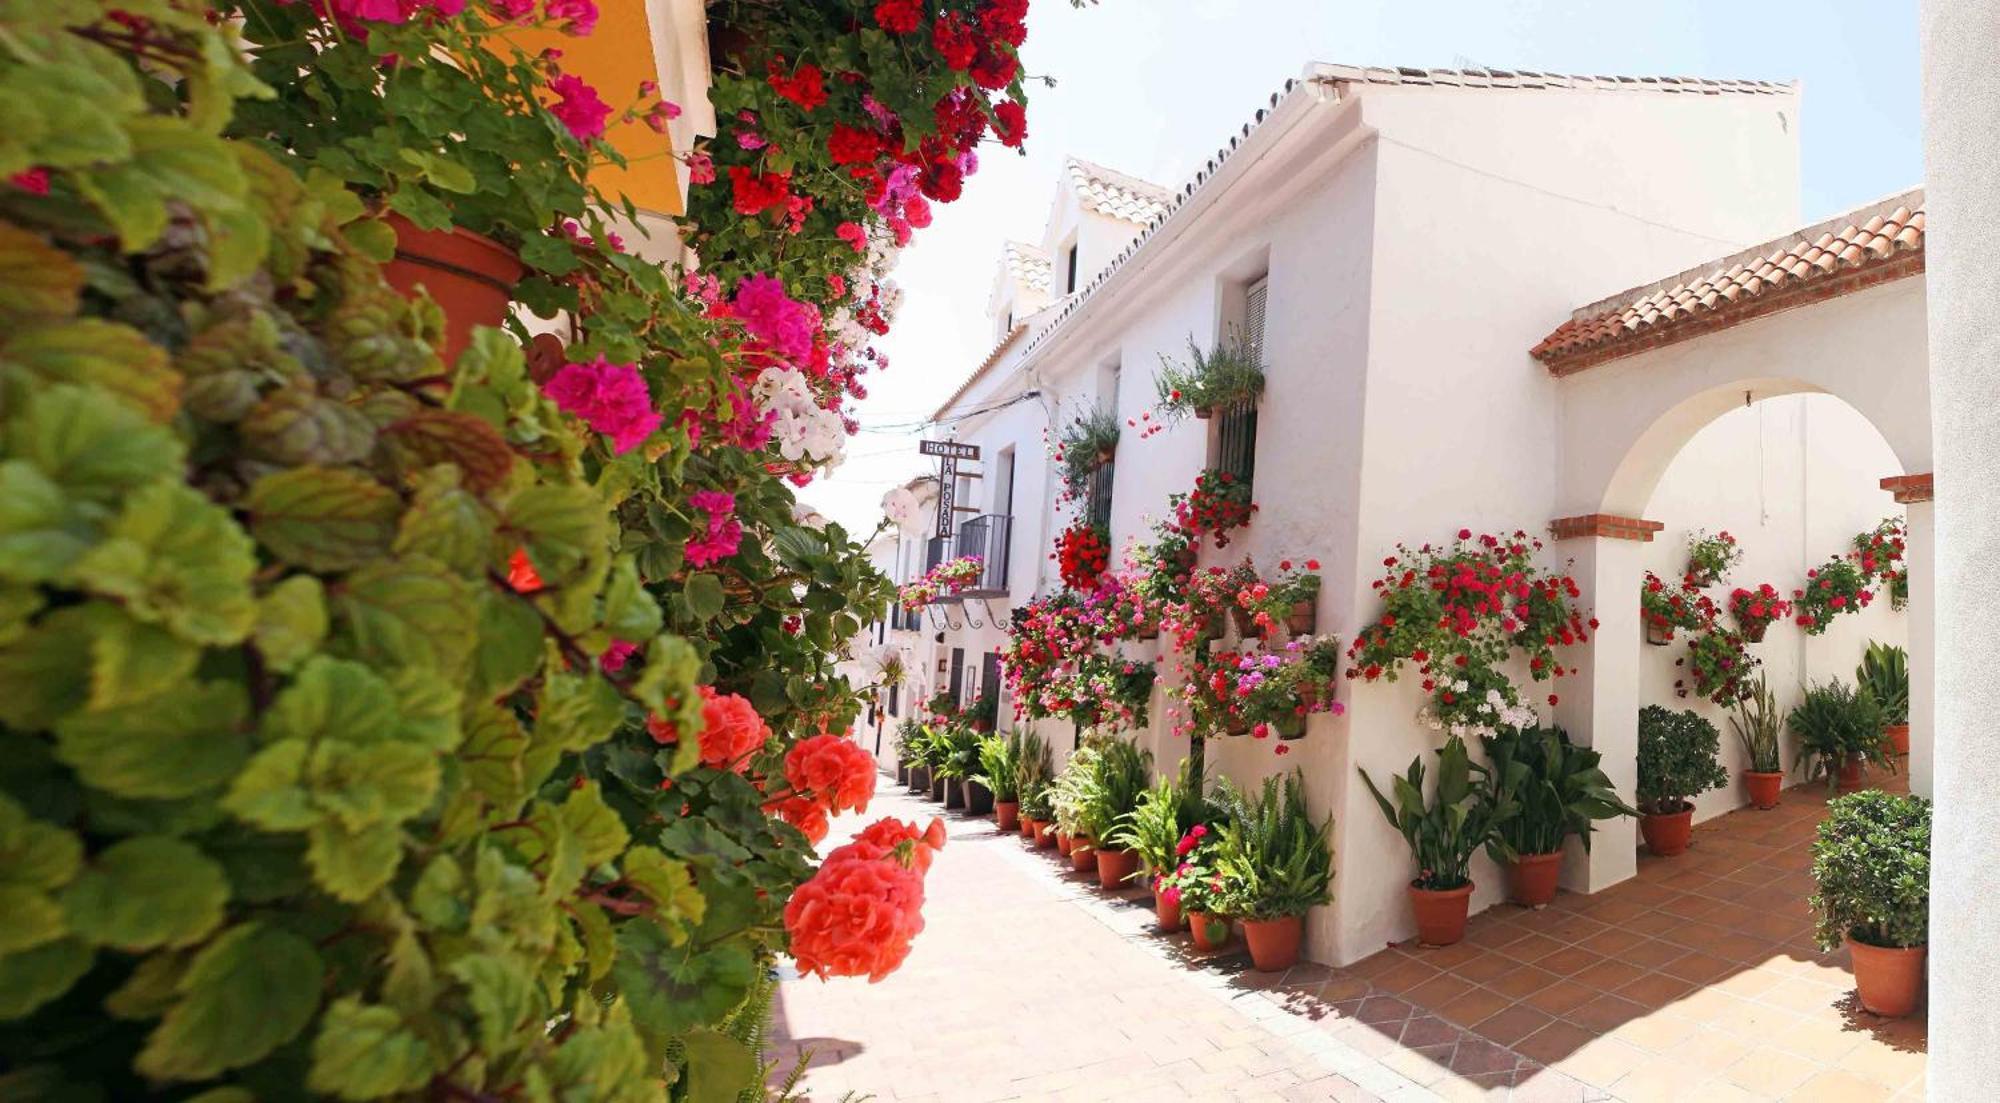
[[948, 452]]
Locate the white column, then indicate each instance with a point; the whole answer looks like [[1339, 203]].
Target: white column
[[1961, 122], [1600, 700], [1920, 557]]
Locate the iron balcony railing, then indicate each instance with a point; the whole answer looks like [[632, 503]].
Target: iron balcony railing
[[905, 620], [987, 537], [939, 550]]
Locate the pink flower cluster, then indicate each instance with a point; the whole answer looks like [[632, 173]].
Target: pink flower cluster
[[581, 110], [724, 533], [610, 398], [775, 318]]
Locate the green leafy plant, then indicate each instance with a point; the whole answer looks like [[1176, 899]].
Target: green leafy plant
[[957, 751], [1835, 587], [1161, 817], [1122, 774], [1279, 862], [1872, 862], [1085, 445], [984, 712], [1455, 823], [1756, 721], [1679, 758], [1709, 556], [1227, 375], [909, 742], [1075, 787], [1884, 676], [1555, 788], [1000, 766], [1833, 725]]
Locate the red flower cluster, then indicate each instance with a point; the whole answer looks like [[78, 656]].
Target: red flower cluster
[[1218, 503], [1757, 609], [1665, 609], [758, 191], [859, 913], [731, 730], [1834, 587], [832, 770], [1084, 553], [805, 87]]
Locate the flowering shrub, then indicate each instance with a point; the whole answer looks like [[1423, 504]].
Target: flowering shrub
[[1834, 587], [1665, 609], [1111, 692], [1274, 691], [1219, 504], [1198, 882], [1083, 554], [1460, 610], [1270, 602], [1710, 557], [1211, 594], [1720, 664], [1879, 552], [1755, 610], [1158, 571], [949, 578]]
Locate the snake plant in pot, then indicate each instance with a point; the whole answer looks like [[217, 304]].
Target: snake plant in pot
[[1756, 720], [1556, 789], [1679, 756], [1884, 674], [1280, 863], [1443, 835]]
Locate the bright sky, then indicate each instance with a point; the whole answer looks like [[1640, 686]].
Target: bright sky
[[1154, 87]]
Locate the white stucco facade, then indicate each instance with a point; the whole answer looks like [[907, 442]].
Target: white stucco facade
[[1416, 239]]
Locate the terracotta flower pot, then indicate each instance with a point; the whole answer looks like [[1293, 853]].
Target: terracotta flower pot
[[1440, 913], [1211, 932], [1302, 619], [1659, 635], [1167, 912], [1764, 788], [1082, 856], [1849, 778], [1899, 738], [1203, 413], [471, 277], [1274, 943], [1064, 842], [1150, 632], [1668, 834], [1114, 866], [1531, 879], [1045, 834], [1887, 981], [1246, 624], [1007, 815], [1236, 725], [1754, 631]]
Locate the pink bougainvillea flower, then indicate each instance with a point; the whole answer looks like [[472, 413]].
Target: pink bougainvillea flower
[[774, 317], [511, 11], [579, 16], [610, 398], [581, 111]]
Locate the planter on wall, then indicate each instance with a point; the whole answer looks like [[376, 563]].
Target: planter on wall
[[1532, 878], [1898, 736], [1211, 932], [1274, 943], [1764, 788], [1659, 635], [1440, 913], [1887, 981], [1754, 633], [1114, 866], [1668, 834], [1302, 619], [470, 276]]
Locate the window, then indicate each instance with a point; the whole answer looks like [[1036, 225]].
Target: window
[[1003, 483], [1253, 317], [989, 675], [895, 704], [1069, 267], [958, 674], [1098, 503], [1235, 439]]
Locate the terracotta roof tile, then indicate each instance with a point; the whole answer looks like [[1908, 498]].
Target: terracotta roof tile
[[1878, 235], [1027, 265], [1110, 192]]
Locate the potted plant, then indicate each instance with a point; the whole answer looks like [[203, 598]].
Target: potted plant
[[1443, 836], [1083, 554], [1755, 719], [1274, 691], [1839, 730], [1278, 864], [1228, 375], [1163, 817], [1031, 782], [1087, 443], [1679, 758], [959, 761], [1122, 773], [1710, 557], [909, 751], [999, 774], [1555, 789], [1756, 610], [1665, 609], [1073, 791], [1290, 600], [1884, 675], [1199, 887], [1879, 553], [1218, 505], [1872, 862], [1719, 662], [1834, 587], [1037, 814]]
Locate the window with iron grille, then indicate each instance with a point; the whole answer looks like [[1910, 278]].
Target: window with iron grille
[[894, 702], [1235, 426], [1099, 500], [958, 674]]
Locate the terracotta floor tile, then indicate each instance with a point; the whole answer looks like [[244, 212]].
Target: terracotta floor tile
[[1476, 1056], [1655, 989], [1382, 1009], [1474, 1005], [1709, 1050], [1522, 982], [1601, 1062], [1531, 947], [1554, 1042], [1612, 941], [1429, 1030], [1439, 990], [1770, 1073], [1561, 996], [1652, 953], [1656, 1032], [1485, 967], [1605, 1013], [1838, 1086], [1609, 974], [1699, 967], [1886, 1065], [1512, 1024], [1568, 960]]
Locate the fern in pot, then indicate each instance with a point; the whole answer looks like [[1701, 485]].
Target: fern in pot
[[1756, 721], [1443, 834], [1884, 674], [1032, 775], [1839, 730], [1154, 830], [1123, 774], [1556, 789], [999, 774], [1679, 759], [1280, 863]]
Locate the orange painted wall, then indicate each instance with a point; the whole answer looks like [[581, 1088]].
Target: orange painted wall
[[614, 59]]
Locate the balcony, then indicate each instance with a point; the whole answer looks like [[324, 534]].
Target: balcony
[[987, 537], [905, 620]]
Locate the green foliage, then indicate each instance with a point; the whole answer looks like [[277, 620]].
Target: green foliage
[[1034, 776], [1555, 788], [1756, 722], [955, 750], [1074, 788], [1119, 780], [1834, 723], [1884, 676], [1000, 765], [1083, 445], [1443, 834], [1277, 860], [1679, 758], [1163, 814], [1872, 860], [1224, 376]]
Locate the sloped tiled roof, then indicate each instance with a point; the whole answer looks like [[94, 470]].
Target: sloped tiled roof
[[1027, 265], [1529, 79], [1861, 248], [1110, 192]]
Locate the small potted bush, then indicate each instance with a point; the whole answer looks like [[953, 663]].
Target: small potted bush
[[1443, 836], [1555, 789], [1037, 814], [1839, 730], [1199, 887], [984, 712], [1122, 773], [1756, 720], [1835, 587], [1279, 864], [1087, 443], [1154, 831], [958, 761], [1679, 758], [1884, 675], [999, 774], [1872, 862]]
